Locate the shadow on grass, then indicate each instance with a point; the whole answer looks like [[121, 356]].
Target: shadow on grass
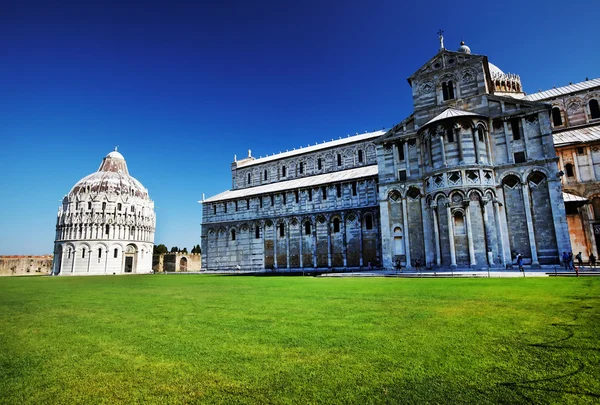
[[522, 388]]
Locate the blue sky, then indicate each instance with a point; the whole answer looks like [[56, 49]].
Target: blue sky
[[183, 86]]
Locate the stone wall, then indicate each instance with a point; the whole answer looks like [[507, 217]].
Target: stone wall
[[25, 265], [177, 262]]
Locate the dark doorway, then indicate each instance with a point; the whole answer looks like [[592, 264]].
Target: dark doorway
[[128, 264], [597, 236]]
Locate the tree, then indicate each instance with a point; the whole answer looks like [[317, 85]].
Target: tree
[[184, 250], [174, 249], [160, 249]]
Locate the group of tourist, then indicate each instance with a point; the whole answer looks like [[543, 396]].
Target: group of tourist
[[568, 260]]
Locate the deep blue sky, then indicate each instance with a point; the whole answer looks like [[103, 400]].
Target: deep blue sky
[[183, 86]]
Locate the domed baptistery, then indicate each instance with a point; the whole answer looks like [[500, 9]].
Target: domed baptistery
[[105, 224]]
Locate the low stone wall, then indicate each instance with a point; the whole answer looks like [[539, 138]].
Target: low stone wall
[[177, 262], [25, 265]]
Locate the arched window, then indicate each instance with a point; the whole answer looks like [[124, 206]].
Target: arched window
[[398, 242], [450, 134], [281, 230], [116, 253], [596, 207], [307, 228], [257, 232], [89, 205], [249, 180], [233, 234], [283, 171], [448, 90], [480, 133], [119, 206], [324, 192], [339, 159], [556, 117], [99, 253], [301, 167], [107, 230], [594, 109], [103, 206], [83, 253], [338, 190], [336, 225], [368, 222], [569, 170], [247, 203], [265, 175], [459, 224], [319, 164], [360, 156], [215, 209], [133, 208]]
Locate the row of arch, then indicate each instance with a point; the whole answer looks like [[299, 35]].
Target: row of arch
[[104, 231], [99, 257], [341, 239], [310, 165], [557, 113]]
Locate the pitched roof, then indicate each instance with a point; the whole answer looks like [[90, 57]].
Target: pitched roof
[[304, 182], [451, 113], [568, 197], [571, 88], [579, 135], [313, 148]]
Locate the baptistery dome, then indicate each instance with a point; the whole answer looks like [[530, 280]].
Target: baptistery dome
[[105, 224]]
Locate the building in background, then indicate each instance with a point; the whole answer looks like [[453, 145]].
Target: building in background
[[315, 206], [105, 224], [471, 178], [575, 117]]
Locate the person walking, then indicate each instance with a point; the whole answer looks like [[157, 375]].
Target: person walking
[[520, 263], [579, 260], [565, 260], [592, 260], [570, 261]]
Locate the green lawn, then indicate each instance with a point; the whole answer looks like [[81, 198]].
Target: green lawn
[[218, 339]]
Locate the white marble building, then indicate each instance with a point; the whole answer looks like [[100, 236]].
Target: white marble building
[[105, 224]]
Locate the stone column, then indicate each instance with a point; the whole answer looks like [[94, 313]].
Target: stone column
[[287, 244], [314, 234], [488, 146], [524, 137], [576, 164], [275, 226], [406, 160], [384, 229], [429, 153], [472, 261], [328, 242], [406, 233], [443, 149], [396, 156], [486, 229], [426, 232], [510, 158], [557, 205], [530, 230], [458, 134], [436, 235], [360, 239], [451, 236], [301, 245], [344, 242], [475, 137]]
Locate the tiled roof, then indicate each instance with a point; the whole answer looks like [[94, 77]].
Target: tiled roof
[[568, 197], [579, 135], [313, 148], [304, 182], [451, 113], [571, 88]]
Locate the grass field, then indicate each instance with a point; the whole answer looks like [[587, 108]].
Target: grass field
[[218, 339]]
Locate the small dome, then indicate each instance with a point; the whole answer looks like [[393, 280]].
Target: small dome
[[495, 70], [115, 154], [463, 48]]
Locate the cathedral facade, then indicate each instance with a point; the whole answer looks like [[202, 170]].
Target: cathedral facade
[[470, 179]]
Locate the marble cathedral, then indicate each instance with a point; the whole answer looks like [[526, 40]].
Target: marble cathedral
[[469, 179]]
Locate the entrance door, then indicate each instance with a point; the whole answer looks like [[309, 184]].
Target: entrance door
[[128, 264], [597, 236]]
